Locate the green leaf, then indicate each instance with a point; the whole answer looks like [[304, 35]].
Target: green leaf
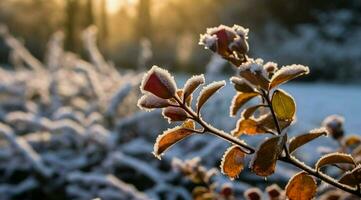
[[283, 105], [305, 138]]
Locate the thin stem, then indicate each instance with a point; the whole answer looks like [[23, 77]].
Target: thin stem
[[319, 175], [213, 130]]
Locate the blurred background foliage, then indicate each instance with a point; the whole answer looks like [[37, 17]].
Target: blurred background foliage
[[324, 35]]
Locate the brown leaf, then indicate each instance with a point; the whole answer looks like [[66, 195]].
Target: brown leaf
[[248, 112], [192, 84], [265, 158], [305, 138], [207, 92], [247, 126], [241, 85], [180, 95], [159, 82], [287, 73], [352, 178], [150, 101], [172, 136], [268, 123], [334, 158], [256, 78], [232, 162], [239, 100], [301, 187], [283, 105], [174, 114]]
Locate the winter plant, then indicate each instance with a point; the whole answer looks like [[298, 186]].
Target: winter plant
[[273, 114]]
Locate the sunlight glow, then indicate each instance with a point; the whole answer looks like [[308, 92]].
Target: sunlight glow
[[114, 5]]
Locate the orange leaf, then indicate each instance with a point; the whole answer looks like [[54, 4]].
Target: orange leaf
[[287, 73], [172, 136], [301, 187], [305, 138], [239, 100], [159, 82], [265, 158], [207, 92], [232, 161], [247, 126]]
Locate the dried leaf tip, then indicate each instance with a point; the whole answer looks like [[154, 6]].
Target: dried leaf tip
[[159, 82]]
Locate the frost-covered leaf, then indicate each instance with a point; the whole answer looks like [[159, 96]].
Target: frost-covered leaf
[[192, 84], [174, 114], [253, 194], [159, 82], [248, 126], [207, 92], [334, 158], [351, 140], [241, 85], [283, 105], [274, 192], [264, 161], [301, 187], [232, 162], [287, 73], [172, 136], [239, 100], [352, 178], [256, 78], [180, 93], [248, 112], [268, 122], [150, 101], [305, 138]]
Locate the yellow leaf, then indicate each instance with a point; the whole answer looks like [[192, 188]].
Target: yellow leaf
[[301, 187], [287, 73], [265, 158], [283, 105], [172, 136], [334, 158], [232, 162], [305, 138], [239, 100]]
